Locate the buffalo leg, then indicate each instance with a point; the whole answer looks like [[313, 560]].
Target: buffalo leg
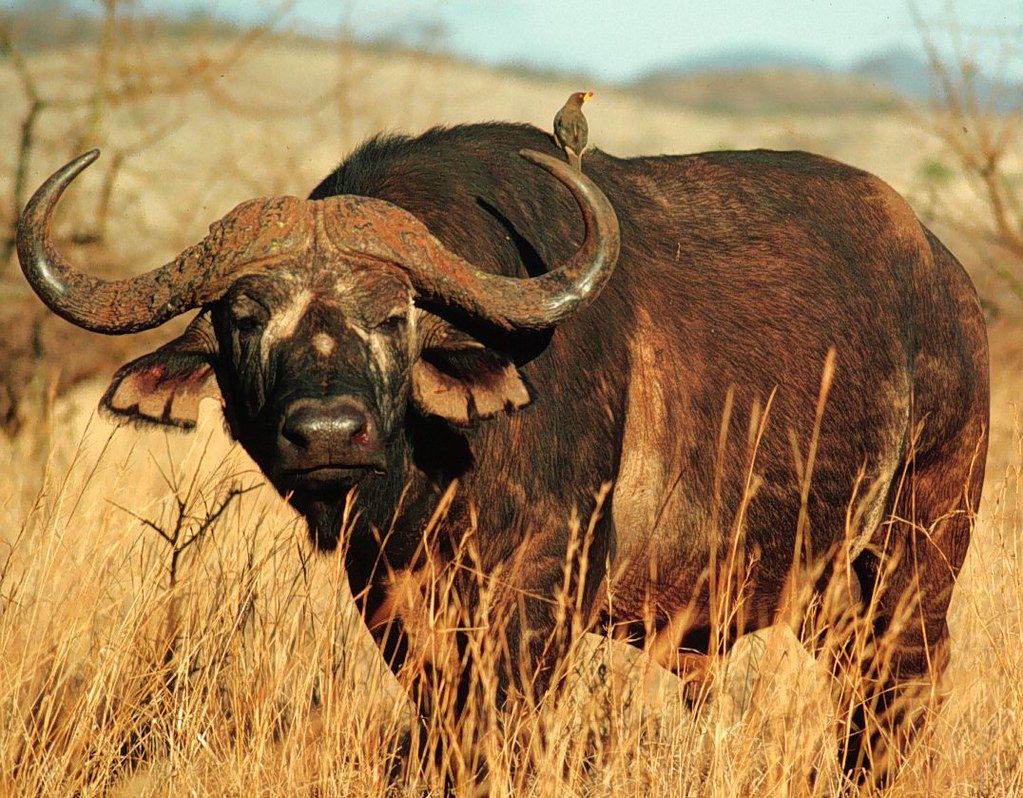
[[527, 611], [907, 576], [474, 640], [413, 618], [463, 650]]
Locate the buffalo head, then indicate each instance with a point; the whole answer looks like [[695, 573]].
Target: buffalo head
[[312, 328]]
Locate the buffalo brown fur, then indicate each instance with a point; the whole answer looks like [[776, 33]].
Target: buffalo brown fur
[[692, 386]]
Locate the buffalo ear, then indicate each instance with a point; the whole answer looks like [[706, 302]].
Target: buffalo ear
[[460, 380], [165, 387]]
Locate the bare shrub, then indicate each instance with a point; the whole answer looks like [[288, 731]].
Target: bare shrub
[[980, 120], [135, 78]]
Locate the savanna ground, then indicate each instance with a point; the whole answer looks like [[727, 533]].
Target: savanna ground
[[165, 628]]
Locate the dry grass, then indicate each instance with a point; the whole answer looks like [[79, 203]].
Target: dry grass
[[135, 664], [247, 670]]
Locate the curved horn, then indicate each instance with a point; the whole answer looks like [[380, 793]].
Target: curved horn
[[106, 306], [508, 302], [260, 231]]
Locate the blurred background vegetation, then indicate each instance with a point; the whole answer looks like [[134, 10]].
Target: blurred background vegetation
[[197, 109]]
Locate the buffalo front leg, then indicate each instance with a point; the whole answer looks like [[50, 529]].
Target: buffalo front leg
[[415, 617], [475, 643]]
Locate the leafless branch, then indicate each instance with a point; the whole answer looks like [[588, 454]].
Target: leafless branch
[[26, 138], [129, 73], [980, 135]]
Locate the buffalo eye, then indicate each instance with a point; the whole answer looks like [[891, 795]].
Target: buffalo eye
[[392, 324], [247, 315]]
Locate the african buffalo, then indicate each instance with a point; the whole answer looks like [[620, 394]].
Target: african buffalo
[[772, 362]]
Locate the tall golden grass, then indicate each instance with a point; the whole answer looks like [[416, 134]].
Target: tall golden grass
[[166, 630]]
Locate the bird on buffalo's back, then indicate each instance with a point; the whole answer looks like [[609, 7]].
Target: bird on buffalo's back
[[570, 129]]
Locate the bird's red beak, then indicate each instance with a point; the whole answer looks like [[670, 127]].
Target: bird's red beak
[[587, 95]]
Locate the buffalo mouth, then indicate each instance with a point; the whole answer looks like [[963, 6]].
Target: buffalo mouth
[[323, 483], [328, 474]]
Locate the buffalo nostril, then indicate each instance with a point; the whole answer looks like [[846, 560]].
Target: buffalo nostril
[[352, 423], [298, 429], [309, 425]]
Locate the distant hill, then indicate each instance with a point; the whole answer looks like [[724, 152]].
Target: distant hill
[[766, 90], [749, 59], [758, 81], [749, 81], [900, 71]]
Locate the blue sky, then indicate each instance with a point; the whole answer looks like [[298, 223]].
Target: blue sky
[[616, 40]]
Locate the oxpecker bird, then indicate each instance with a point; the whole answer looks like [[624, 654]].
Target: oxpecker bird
[[570, 129]]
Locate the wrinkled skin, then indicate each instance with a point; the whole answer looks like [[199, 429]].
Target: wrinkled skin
[[315, 341], [338, 333]]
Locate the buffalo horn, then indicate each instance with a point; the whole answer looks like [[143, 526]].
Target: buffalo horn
[[527, 303]]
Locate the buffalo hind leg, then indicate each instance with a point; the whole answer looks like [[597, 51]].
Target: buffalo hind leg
[[907, 574]]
